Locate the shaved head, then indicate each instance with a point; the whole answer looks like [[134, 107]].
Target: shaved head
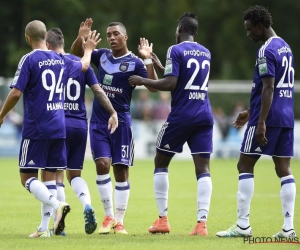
[[36, 30], [121, 25]]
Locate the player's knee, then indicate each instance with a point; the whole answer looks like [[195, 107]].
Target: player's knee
[[26, 174], [162, 159], [242, 167], [72, 174], [102, 166]]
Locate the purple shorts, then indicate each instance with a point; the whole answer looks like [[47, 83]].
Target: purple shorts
[[280, 142], [76, 146], [40, 154], [119, 146], [172, 137]]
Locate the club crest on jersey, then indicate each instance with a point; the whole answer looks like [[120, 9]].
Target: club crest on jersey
[[262, 65], [124, 66], [169, 66]]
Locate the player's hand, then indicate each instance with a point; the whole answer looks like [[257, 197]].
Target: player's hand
[[242, 118], [92, 40], [260, 134], [156, 62], [113, 123], [144, 48], [85, 28], [136, 80]]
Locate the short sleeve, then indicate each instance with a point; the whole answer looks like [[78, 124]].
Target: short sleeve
[[266, 64], [96, 55], [22, 74], [74, 67], [172, 66], [90, 77], [140, 69]]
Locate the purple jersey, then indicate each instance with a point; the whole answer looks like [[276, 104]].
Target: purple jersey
[[190, 63], [74, 105], [113, 74], [41, 76], [274, 59]]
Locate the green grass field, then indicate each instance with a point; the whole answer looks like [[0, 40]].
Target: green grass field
[[20, 211]]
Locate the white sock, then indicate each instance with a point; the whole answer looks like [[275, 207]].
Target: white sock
[[161, 188], [47, 210], [105, 190], [204, 196], [244, 196], [288, 195], [61, 195], [121, 196], [40, 192], [81, 190]]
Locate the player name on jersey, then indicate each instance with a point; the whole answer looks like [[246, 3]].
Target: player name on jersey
[[54, 106], [71, 106]]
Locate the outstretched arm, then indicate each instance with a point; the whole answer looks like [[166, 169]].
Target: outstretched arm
[[145, 51], [84, 31], [11, 100], [106, 104], [166, 84], [89, 45]]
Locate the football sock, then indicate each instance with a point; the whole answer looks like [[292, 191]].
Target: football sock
[[203, 196], [47, 210], [105, 190], [244, 196], [41, 192], [61, 196], [81, 190], [121, 196], [288, 195], [161, 188]]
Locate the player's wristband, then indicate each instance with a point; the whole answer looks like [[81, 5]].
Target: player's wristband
[[148, 61]]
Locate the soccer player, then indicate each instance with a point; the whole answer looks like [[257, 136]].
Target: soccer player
[[270, 129], [186, 75], [115, 66], [40, 77], [76, 128]]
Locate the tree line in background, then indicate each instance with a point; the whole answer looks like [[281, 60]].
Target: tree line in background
[[221, 27]]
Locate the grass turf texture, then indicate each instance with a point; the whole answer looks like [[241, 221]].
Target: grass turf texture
[[20, 211]]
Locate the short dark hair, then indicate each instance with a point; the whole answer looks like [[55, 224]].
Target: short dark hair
[[55, 38], [119, 24], [258, 14], [189, 22]]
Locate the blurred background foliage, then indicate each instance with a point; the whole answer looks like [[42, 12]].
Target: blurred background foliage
[[221, 27]]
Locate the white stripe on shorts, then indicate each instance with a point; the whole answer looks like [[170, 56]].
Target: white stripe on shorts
[[161, 133], [249, 139], [24, 152], [131, 148]]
